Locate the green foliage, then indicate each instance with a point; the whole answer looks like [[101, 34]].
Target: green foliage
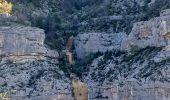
[[125, 65], [153, 71], [141, 55], [133, 49]]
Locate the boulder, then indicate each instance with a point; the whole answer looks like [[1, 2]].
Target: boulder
[[88, 43]]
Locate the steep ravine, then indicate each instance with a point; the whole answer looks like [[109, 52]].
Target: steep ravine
[[115, 50]]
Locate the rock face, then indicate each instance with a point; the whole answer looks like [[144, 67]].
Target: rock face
[[28, 73], [155, 32], [165, 12], [34, 80], [88, 43], [27, 67], [131, 90], [23, 43], [118, 76]]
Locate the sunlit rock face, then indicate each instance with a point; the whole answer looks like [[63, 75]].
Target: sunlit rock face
[[24, 43], [155, 32], [28, 69], [88, 43]]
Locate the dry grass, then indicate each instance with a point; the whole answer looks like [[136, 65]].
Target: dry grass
[[5, 7]]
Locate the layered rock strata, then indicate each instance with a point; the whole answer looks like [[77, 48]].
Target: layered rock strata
[[23, 43], [28, 69]]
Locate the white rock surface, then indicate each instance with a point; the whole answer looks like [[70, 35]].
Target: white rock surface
[[165, 12], [21, 43], [155, 32], [27, 67], [131, 90], [88, 43], [2, 81], [33, 80]]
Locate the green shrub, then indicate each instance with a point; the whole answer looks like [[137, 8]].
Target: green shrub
[[134, 49]]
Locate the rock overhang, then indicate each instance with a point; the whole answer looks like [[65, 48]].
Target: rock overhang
[[24, 43], [91, 43]]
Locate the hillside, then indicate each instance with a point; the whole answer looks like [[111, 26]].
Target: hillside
[[71, 49]]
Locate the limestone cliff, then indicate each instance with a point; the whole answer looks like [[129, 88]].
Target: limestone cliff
[[88, 43], [28, 67], [116, 59], [23, 43], [154, 32], [141, 75]]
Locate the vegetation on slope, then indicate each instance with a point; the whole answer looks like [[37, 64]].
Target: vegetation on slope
[[139, 65], [63, 17]]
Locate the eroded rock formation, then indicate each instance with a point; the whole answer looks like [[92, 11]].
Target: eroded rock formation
[[143, 75], [88, 43], [23, 43], [29, 68], [155, 32]]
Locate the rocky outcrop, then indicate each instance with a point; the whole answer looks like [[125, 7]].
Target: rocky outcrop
[[88, 43], [24, 43], [131, 90], [28, 69], [155, 32], [26, 64], [165, 12], [117, 75], [34, 80]]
